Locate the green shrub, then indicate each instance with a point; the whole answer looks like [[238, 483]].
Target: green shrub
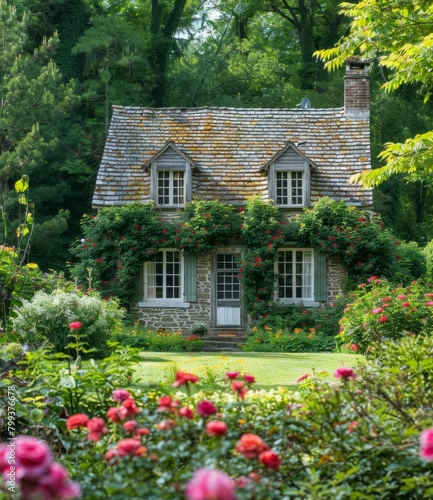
[[199, 329], [14, 349], [152, 340], [428, 254], [45, 319], [381, 311], [305, 339], [47, 385], [291, 316]]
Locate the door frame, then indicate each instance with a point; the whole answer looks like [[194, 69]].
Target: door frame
[[214, 274]]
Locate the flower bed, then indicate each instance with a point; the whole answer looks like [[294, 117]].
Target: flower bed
[[327, 440]]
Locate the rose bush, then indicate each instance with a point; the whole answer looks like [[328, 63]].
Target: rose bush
[[382, 311]]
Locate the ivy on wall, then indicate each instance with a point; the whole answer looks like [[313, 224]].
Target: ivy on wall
[[118, 240]]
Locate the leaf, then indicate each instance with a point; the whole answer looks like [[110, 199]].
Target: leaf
[[36, 415], [68, 382], [22, 185]]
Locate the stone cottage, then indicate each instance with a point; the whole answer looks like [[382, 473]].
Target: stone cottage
[[170, 156]]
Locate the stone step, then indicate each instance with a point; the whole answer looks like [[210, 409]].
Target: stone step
[[224, 341]]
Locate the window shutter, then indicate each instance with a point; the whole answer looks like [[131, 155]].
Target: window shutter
[[190, 278], [139, 279], [320, 289]]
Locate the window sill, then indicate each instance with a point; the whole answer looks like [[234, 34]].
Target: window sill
[[164, 303], [305, 303]]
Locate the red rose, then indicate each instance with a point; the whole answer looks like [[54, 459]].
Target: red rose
[[183, 378], [76, 421], [75, 325], [216, 428], [270, 460]]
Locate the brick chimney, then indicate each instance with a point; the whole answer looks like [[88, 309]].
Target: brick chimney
[[357, 89]]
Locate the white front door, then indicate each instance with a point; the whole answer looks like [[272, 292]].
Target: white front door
[[227, 291]]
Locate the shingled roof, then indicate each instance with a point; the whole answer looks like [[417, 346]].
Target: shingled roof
[[230, 147]]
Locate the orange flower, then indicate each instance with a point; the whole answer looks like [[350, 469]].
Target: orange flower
[[251, 445]]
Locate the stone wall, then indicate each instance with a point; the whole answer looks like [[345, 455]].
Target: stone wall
[[335, 275]]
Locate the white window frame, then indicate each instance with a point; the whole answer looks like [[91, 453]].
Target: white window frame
[[276, 167], [307, 301], [163, 301], [170, 165], [171, 181]]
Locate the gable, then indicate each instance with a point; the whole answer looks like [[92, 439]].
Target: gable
[[230, 147]]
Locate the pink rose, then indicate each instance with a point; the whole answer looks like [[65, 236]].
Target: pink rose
[[383, 319], [97, 429], [186, 412], [232, 375], [378, 310], [76, 421], [209, 484], [33, 457], [345, 373], [251, 445], [55, 484], [75, 325], [426, 444], [249, 379], [120, 395], [206, 408]]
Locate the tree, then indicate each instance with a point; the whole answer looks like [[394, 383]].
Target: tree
[[116, 63], [34, 105], [397, 34]]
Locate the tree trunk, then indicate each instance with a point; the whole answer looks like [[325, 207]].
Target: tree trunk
[[162, 29]]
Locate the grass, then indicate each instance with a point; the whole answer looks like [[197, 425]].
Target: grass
[[271, 370]]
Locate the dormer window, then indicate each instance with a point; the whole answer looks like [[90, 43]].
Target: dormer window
[[289, 178], [170, 173]]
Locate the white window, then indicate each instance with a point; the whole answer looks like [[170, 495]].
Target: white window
[[171, 187], [163, 277], [289, 189], [170, 179], [295, 275], [289, 180]]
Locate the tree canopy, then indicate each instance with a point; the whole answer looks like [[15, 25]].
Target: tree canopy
[[398, 34]]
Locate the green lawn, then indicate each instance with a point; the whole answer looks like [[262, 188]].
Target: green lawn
[[269, 369]]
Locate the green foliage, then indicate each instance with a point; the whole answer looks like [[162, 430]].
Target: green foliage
[[153, 340], [46, 318], [380, 311], [207, 225], [296, 316], [360, 240], [14, 349], [48, 386], [199, 329], [119, 239], [428, 253], [377, 28], [116, 243], [297, 340]]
